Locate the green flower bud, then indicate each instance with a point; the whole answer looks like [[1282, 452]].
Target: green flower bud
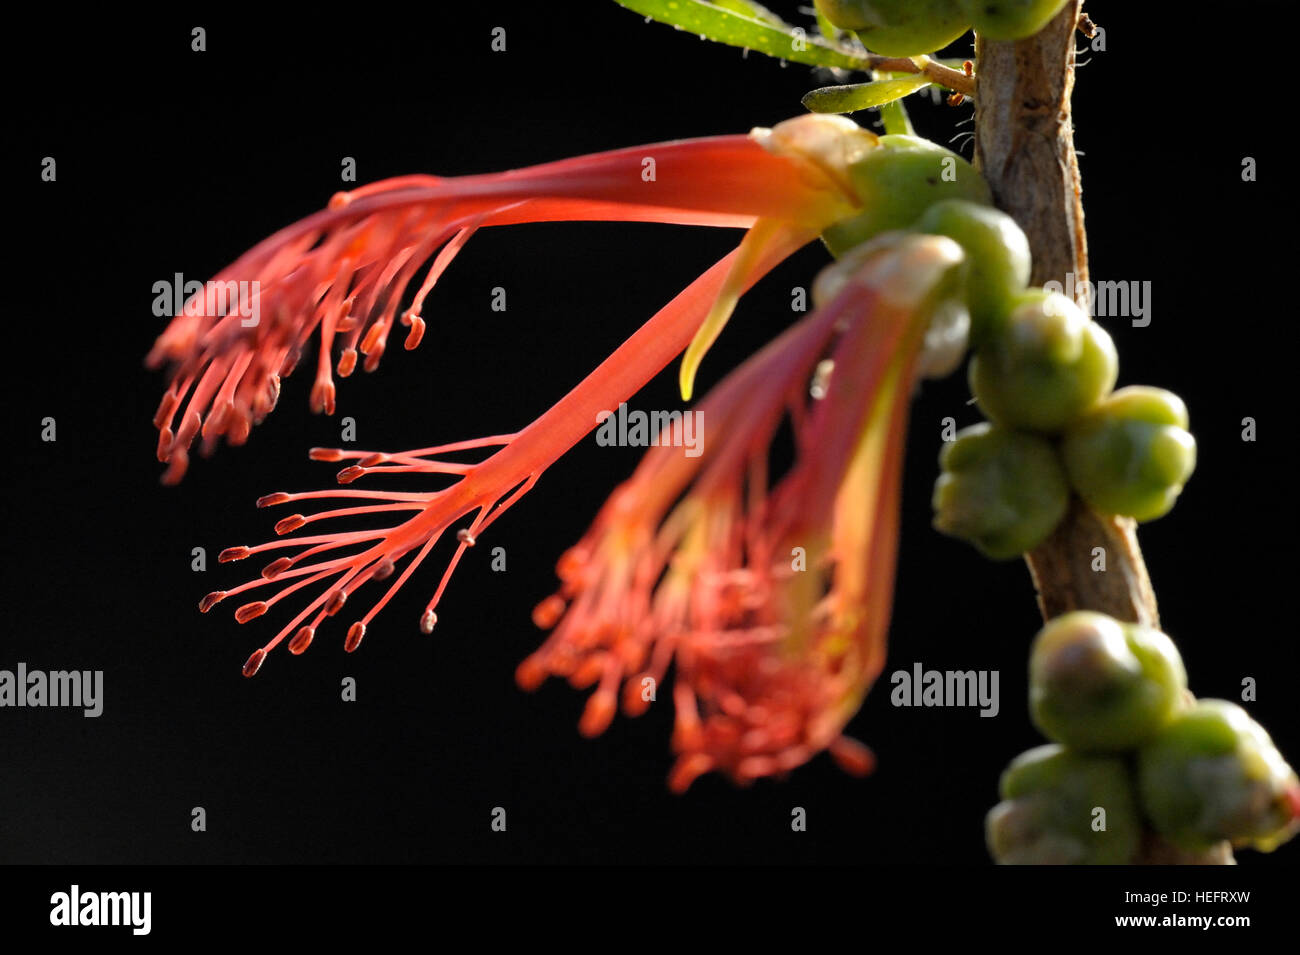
[[997, 256], [1009, 19], [1131, 454], [1098, 685], [897, 181], [1049, 813], [1214, 774], [1002, 490], [898, 27], [1045, 366]]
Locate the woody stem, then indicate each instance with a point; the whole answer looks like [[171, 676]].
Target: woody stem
[[1024, 146]]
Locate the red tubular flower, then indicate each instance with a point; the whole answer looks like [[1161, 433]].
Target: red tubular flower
[[343, 272], [691, 560], [485, 489], [772, 601]]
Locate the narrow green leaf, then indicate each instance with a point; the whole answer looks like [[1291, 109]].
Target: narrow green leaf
[[849, 99], [752, 32], [746, 8]]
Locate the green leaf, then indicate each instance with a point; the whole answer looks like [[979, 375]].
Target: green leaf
[[849, 99], [746, 8], [760, 31]]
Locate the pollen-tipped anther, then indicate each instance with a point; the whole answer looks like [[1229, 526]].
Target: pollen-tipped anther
[[322, 397], [598, 713], [211, 600], [548, 613], [301, 640], [531, 673], [276, 567], [356, 633], [347, 362], [416, 334], [250, 611], [233, 553], [165, 438], [254, 662], [853, 757], [287, 525]]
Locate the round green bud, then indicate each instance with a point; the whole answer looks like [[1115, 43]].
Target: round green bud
[[1132, 453], [848, 14], [997, 257], [1214, 774], [897, 181], [1045, 366], [1009, 19], [1098, 685], [1004, 491], [898, 27], [1064, 808]]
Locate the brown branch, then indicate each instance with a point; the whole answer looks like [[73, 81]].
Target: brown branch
[[934, 70], [1024, 146]]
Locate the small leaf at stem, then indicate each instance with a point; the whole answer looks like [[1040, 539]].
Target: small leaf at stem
[[849, 99]]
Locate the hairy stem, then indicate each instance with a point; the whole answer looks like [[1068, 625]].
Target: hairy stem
[[1024, 146]]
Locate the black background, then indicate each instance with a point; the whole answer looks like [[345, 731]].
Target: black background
[[175, 161]]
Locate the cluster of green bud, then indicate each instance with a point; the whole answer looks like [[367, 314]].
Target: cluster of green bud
[[1060, 807], [997, 262], [1131, 454], [1101, 686], [912, 27], [1044, 365], [1041, 370], [1001, 490], [1132, 751], [1213, 774]]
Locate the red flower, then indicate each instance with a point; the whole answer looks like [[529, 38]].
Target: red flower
[[344, 271], [478, 494], [772, 598]]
